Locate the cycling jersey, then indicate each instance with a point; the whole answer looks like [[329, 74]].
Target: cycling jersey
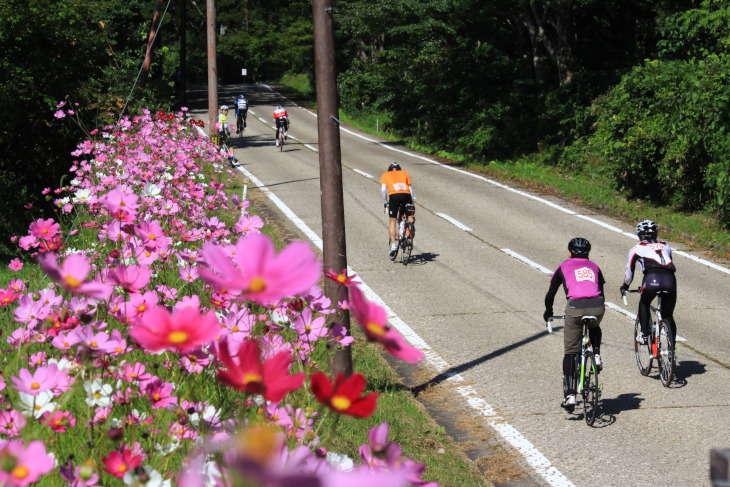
[[241, 105], [222, 123], [581, 279], [652, 256], [280, 113], [396, 182]]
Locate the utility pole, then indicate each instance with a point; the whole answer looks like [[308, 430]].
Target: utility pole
[[330, 171], [182, 94], [212, 70]]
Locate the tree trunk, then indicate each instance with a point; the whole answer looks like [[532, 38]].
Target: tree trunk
[[152, 40]]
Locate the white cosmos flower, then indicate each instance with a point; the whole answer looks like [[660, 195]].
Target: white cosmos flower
[[98, 394], [36, 405], [82, 195], [151, 190], [154, 478], [339, 462]]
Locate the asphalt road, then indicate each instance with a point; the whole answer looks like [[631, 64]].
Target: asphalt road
[[474, 293]]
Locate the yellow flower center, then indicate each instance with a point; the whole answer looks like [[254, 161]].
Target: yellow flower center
[[375, 329], [72, 282], [341, 278], [257, 284], [341, 403], [156, 396], [177, 337], [141, 308], [93, 345], [35, 386], [122, 468], [97, 395], [251, 377], [235, 328], [151, 236], [20, 472]]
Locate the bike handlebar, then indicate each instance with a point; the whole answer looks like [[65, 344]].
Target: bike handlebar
[[548, 323], [624, 293]]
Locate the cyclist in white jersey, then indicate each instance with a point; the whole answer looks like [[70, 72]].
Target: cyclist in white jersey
[[655, 259]]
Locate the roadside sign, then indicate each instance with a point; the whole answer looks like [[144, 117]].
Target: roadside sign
[[243, 72]]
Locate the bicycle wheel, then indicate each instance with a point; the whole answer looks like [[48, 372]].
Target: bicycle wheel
[[665, 350], [643, 352], [281, 139], [239, 126], [591, 391]]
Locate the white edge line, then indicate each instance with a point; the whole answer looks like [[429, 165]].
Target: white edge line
[[532, 455], [363, 173], [527, 261], [455, 222], [508, 188]]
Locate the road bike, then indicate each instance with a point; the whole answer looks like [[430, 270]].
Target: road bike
[[241, 124], [282, 128], [659, 344], [226, 151], [585, 372], [405, 232]]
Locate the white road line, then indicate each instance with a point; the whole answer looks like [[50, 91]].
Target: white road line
[[532, 455], [527, 261], [363, 173], [455, 222], [516, 191]]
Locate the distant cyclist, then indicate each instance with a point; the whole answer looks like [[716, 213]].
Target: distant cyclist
[[655, 259], [241, 113], [224, 131], [396, 189], [281, 119], [583, 283]]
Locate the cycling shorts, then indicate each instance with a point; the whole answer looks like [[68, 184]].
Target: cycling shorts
[[576, 309], [396, 202]]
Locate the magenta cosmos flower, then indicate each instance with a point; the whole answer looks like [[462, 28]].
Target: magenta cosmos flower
[[72, 275], [132, 278], [183, 331], [44, 229], [257, 271], [372, 319], [25, 464]]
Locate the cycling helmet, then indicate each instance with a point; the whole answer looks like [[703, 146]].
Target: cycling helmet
[[579, 247], [279, 108], [241, 96], [224, 107], [646, 230], [394, 167]]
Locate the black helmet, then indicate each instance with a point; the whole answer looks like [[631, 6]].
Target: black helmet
[[394, 167], [646, 230], [579, 247]]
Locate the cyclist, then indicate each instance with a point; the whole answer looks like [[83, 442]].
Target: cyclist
[[241, 110], [281, 119], [395, 186], [224, 131], [655, 259], [583, 283]]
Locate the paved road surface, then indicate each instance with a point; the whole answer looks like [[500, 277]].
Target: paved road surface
[[478, 306]]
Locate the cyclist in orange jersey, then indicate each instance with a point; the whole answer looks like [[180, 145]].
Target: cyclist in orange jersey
[[396, 189]]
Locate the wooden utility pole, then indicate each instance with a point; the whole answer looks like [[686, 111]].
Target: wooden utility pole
[[330, 171], [151, 39], [212, 70]]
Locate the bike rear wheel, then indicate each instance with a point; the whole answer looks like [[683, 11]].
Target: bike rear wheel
[[665, 350], [643, 352], [239, 126], [591, 391], [281, 139]]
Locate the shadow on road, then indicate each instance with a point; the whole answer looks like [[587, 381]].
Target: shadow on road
[[463, 367], [688, 368], [423, 258], [612, 407]]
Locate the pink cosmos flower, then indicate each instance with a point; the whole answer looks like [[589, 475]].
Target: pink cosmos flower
[[43, 379], [15, 265], [342, 278], [151, 234], [339, 333], [139, 303], [270, 378], [27, 463], [188, 302], [372, 319], [11, 422], [44, 229], [29, 241], [159, 393], [185, 330], [188, 273], [132, 278], [7, 296], [257, 271], [310, 329], [58, 421], [72, 275], [119, 463], [121, 205], [133, 372], [17, 285]]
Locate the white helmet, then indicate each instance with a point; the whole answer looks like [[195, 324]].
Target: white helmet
[[224, 107]]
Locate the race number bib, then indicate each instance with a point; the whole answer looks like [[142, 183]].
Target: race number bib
[[400, 187], [585, 274]]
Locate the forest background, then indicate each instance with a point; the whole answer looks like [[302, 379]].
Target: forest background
[[630, 93]]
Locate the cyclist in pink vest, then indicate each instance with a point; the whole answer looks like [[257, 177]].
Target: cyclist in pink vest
[[583, 283]]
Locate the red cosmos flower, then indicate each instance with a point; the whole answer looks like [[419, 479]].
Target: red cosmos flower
[[341, 278], [118, 463], [271, 378], [344, 395]]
